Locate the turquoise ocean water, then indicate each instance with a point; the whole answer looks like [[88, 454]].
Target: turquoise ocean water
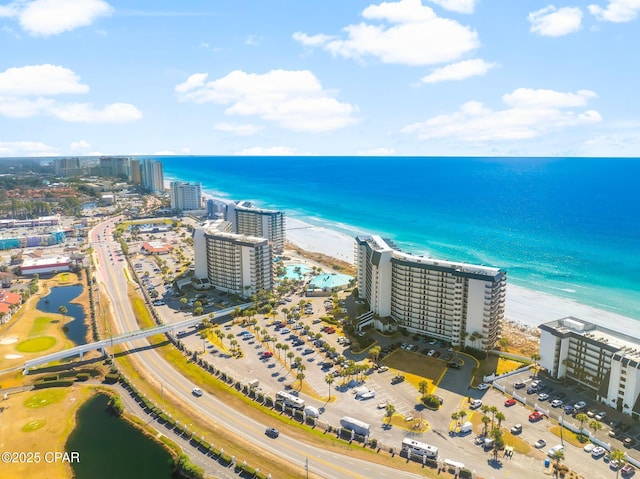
[[566, 226]]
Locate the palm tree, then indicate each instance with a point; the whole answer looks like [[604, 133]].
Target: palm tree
[[390, 410], [290, 355], [499, 417], [329, 378], [278, 348], [220, 335], [462, 414], [455, 415], [423, 388], [620, 457], [374, 352], [300, 376], [485, 421], [535, 357], [557, 456], [582, 418], [493, 410], [485, 408], [595, 426]]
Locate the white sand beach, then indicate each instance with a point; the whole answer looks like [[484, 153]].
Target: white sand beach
[[524, 306]]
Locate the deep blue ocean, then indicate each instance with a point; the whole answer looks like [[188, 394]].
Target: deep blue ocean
[[567, 226]]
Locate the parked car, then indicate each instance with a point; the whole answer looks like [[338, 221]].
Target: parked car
[[589, 447], [519, 385], [628, 442], [475, 404], [540, 443], [598, 452], [592, 412], [267, 355], [556, 403], [580, 405], [601, 415], [383, 369], [627, 470], [517, 429], [483, 386], [568, 409], [510, 402], [543, 397], [554, 449]]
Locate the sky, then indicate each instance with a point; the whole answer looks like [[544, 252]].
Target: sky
[[320, 77]]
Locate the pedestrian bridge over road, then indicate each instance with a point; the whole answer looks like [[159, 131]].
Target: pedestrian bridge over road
[[123, 338]]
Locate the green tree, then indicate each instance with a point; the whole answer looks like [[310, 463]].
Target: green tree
[[485, 422], [500, 417], [390, 410], [582, 418], [620, 457], [300, 376], [595, 426], [535, 357], [557, 457], [455, 416], [423, 387], [290, 355], [374, 353], [462, 414], [329, 378]]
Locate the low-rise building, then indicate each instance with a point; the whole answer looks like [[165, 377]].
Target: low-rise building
[[52, 264]]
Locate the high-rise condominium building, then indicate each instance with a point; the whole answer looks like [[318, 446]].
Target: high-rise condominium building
[[152, 175], [232, 262], [67, 167], [135, 175], [249, 220], [185, 196], [603, 360], [456, 302]]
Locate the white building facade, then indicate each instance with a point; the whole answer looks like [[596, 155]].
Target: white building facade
[[231, 262], [455, 302], [603, 360], [185, 196], [264, 223]]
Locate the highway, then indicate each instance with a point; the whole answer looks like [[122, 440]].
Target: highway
[[322, 463]]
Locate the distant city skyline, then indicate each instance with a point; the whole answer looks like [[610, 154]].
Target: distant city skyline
[[405, 77]]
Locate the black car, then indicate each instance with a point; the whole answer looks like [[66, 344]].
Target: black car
[[532, 390], [272, 432]]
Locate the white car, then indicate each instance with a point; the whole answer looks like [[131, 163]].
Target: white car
[[556, 403], [601, 415], [554, 449], [589, 447], [197, 392], [475, 404], [483, 386], [540, 443], [598, 452], [431, 352], [543, 397]]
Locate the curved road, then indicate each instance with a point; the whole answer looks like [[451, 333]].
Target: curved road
[[110, 273]]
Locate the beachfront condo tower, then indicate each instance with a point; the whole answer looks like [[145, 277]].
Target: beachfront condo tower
[[456, 302], [249, 220], [231, 262], [152, 175], [185, 196]]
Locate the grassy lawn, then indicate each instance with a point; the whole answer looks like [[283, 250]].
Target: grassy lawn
[[46, 397], [40, 325], [36, 345], [417, 367], [34, 425], [506, 365], [569, 436]]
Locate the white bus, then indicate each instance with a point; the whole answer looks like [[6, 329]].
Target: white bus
[[290, 400], [419, 448]]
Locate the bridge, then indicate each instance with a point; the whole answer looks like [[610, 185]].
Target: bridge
[[123, 338]]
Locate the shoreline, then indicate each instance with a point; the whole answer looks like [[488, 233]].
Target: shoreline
[[522, 306]]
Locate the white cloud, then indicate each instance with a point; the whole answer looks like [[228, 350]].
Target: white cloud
[[531, 113], [26, 148], [458, 6], [80, 145], [376, 152], [292, 99], [459, 71], [617, 11], [26, 92], [52, 17], [86, 113], [269, 151], [253, 40], [406, 32], [238, 129], [164, 153], [40, 80], [555, 22]]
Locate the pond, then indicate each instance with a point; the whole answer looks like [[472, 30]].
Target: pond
[[75, 330], [111, 447]]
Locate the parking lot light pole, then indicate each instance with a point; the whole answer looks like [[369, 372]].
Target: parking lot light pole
[[562, 427]]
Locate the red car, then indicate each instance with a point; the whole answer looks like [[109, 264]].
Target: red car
[[535, 416], [267, 354], [510, 402]]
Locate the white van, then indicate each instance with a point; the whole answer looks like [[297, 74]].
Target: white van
[[311, 411]]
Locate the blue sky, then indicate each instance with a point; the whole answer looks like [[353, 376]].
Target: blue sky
[[330, 77]]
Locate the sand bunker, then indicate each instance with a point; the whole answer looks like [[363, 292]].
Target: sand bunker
[[9, 340], [12, 356]]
